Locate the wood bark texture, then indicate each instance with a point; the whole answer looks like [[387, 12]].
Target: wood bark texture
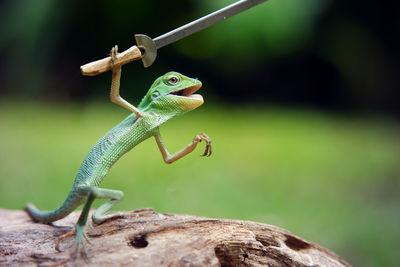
[[148, 238]]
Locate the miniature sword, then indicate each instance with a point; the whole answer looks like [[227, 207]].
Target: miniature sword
[[146, 48]]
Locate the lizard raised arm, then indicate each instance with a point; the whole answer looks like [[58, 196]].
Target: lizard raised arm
[[169, 96]]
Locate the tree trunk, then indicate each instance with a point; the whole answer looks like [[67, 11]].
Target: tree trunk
[[148, 238]]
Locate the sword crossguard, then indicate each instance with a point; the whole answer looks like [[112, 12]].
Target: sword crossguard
[[148, 46]]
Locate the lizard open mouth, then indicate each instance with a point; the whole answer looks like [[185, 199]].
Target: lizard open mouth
[[188, 92]]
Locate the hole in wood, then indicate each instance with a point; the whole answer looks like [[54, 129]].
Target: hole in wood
[[231, 255], [295, 243], [139, 241]]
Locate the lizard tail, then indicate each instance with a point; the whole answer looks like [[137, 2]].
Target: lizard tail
[[69, 205]]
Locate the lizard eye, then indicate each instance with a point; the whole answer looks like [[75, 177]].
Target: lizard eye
[[155, 94], [173, 80]]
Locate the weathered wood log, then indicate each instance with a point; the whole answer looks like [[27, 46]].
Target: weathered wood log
[[159, 239]]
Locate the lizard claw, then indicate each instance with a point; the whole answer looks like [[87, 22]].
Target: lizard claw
[[208, 150], [80, 243], [113, 54], [61, 237]]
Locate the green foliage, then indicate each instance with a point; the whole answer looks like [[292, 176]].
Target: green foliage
[[330, 179]]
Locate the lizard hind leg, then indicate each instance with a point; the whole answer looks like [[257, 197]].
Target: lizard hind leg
[[80, 229], [102, 214], [98, 217]]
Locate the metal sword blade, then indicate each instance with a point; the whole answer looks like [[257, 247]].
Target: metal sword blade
[[204, 22]]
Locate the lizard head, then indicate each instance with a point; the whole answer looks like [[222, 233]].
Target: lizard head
[[172, 94]]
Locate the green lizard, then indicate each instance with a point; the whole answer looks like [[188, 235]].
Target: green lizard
[[169, 96]]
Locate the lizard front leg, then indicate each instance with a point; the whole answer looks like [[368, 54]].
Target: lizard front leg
[[115, 84], [168, 158]]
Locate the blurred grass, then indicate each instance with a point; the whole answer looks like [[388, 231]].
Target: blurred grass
[[331, 179]]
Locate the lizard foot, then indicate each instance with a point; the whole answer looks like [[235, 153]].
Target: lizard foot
[[204, 137], [80, 242], [101, 218], [61, 237]]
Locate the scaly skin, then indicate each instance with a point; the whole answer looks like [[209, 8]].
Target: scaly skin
[[169, 96]]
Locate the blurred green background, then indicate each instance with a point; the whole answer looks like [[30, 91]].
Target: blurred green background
[[301, 104]]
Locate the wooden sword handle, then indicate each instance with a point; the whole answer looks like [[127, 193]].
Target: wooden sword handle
[[103, 65]]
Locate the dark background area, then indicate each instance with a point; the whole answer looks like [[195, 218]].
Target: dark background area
[[336, 55]]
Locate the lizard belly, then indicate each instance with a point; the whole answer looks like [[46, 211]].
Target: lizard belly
[[110, 148]]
